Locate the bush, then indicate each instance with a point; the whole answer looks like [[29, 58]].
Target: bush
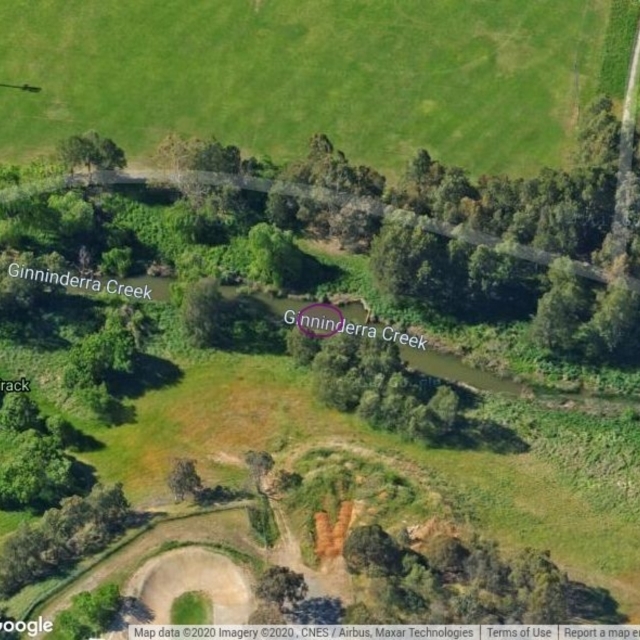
[[117, 262]]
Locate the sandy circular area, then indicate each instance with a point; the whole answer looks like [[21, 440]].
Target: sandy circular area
[[163, 578]]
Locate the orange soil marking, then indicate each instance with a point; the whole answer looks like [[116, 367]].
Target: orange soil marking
[[330, 540]]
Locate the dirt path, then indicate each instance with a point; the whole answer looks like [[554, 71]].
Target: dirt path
[[330, 579], [621, 231]]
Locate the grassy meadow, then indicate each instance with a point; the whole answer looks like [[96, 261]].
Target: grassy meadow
[[234, 402], [490, 86]]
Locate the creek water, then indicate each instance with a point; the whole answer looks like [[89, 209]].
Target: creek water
[[430, 362]]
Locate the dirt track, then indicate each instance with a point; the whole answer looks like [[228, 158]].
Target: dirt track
[[163, 578]]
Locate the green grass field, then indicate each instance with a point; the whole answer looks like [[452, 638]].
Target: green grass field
[[493, 86], [191, 608]]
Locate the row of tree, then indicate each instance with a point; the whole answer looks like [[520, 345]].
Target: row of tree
[[445, 580], [442, 580], [78, 528]]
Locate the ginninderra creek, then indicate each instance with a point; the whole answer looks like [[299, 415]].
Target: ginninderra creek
[[430, 362]]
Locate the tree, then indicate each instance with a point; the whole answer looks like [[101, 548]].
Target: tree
[[352, 222], [91, 151], [319, 611], [79, 527], [444, 406], [409, 260], [468, 608], [500, 284], [275, 259], [203, 312], [184, 479], [541, 587], [110, 509], [446, 553], [302, 348], [267, 613], [613, 329], [90, 614], [397, 254], [421, 177], [34, 470], [369, 549], [447, 200], [117, 261], [99, 356], [599, 134], [359, 613], [282, 587], [20, 413], [548, 601], [562, 310], [259, 463], [187, 160], [485, 567], [75, 217], [5, 617], [23, 560], [286, 481]]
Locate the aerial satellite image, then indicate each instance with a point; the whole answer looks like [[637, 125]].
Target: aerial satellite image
[[319, 312]]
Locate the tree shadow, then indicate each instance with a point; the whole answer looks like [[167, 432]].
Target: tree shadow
[[22, 87], [219, 495], [132, 611], [118, 413], [318, 611], [78, 441], [85, 477], [39, 325], [149, 372], [593, 604], [138, 519], [145, 192], [247, 326], [81, 311], [482, 435], [317, 273]]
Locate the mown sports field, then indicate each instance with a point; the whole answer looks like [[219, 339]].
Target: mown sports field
[[493, 86]]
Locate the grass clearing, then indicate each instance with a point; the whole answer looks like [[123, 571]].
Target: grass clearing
[[192, 608], [490, 86], [618, 49], [228, 405]]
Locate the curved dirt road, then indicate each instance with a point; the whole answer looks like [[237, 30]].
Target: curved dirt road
[[163, 578]]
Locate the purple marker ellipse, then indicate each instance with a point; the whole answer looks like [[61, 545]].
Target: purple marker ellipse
[[312, 334]]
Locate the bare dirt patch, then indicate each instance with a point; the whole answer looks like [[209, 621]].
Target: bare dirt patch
[[330, 540], [161, 580]]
